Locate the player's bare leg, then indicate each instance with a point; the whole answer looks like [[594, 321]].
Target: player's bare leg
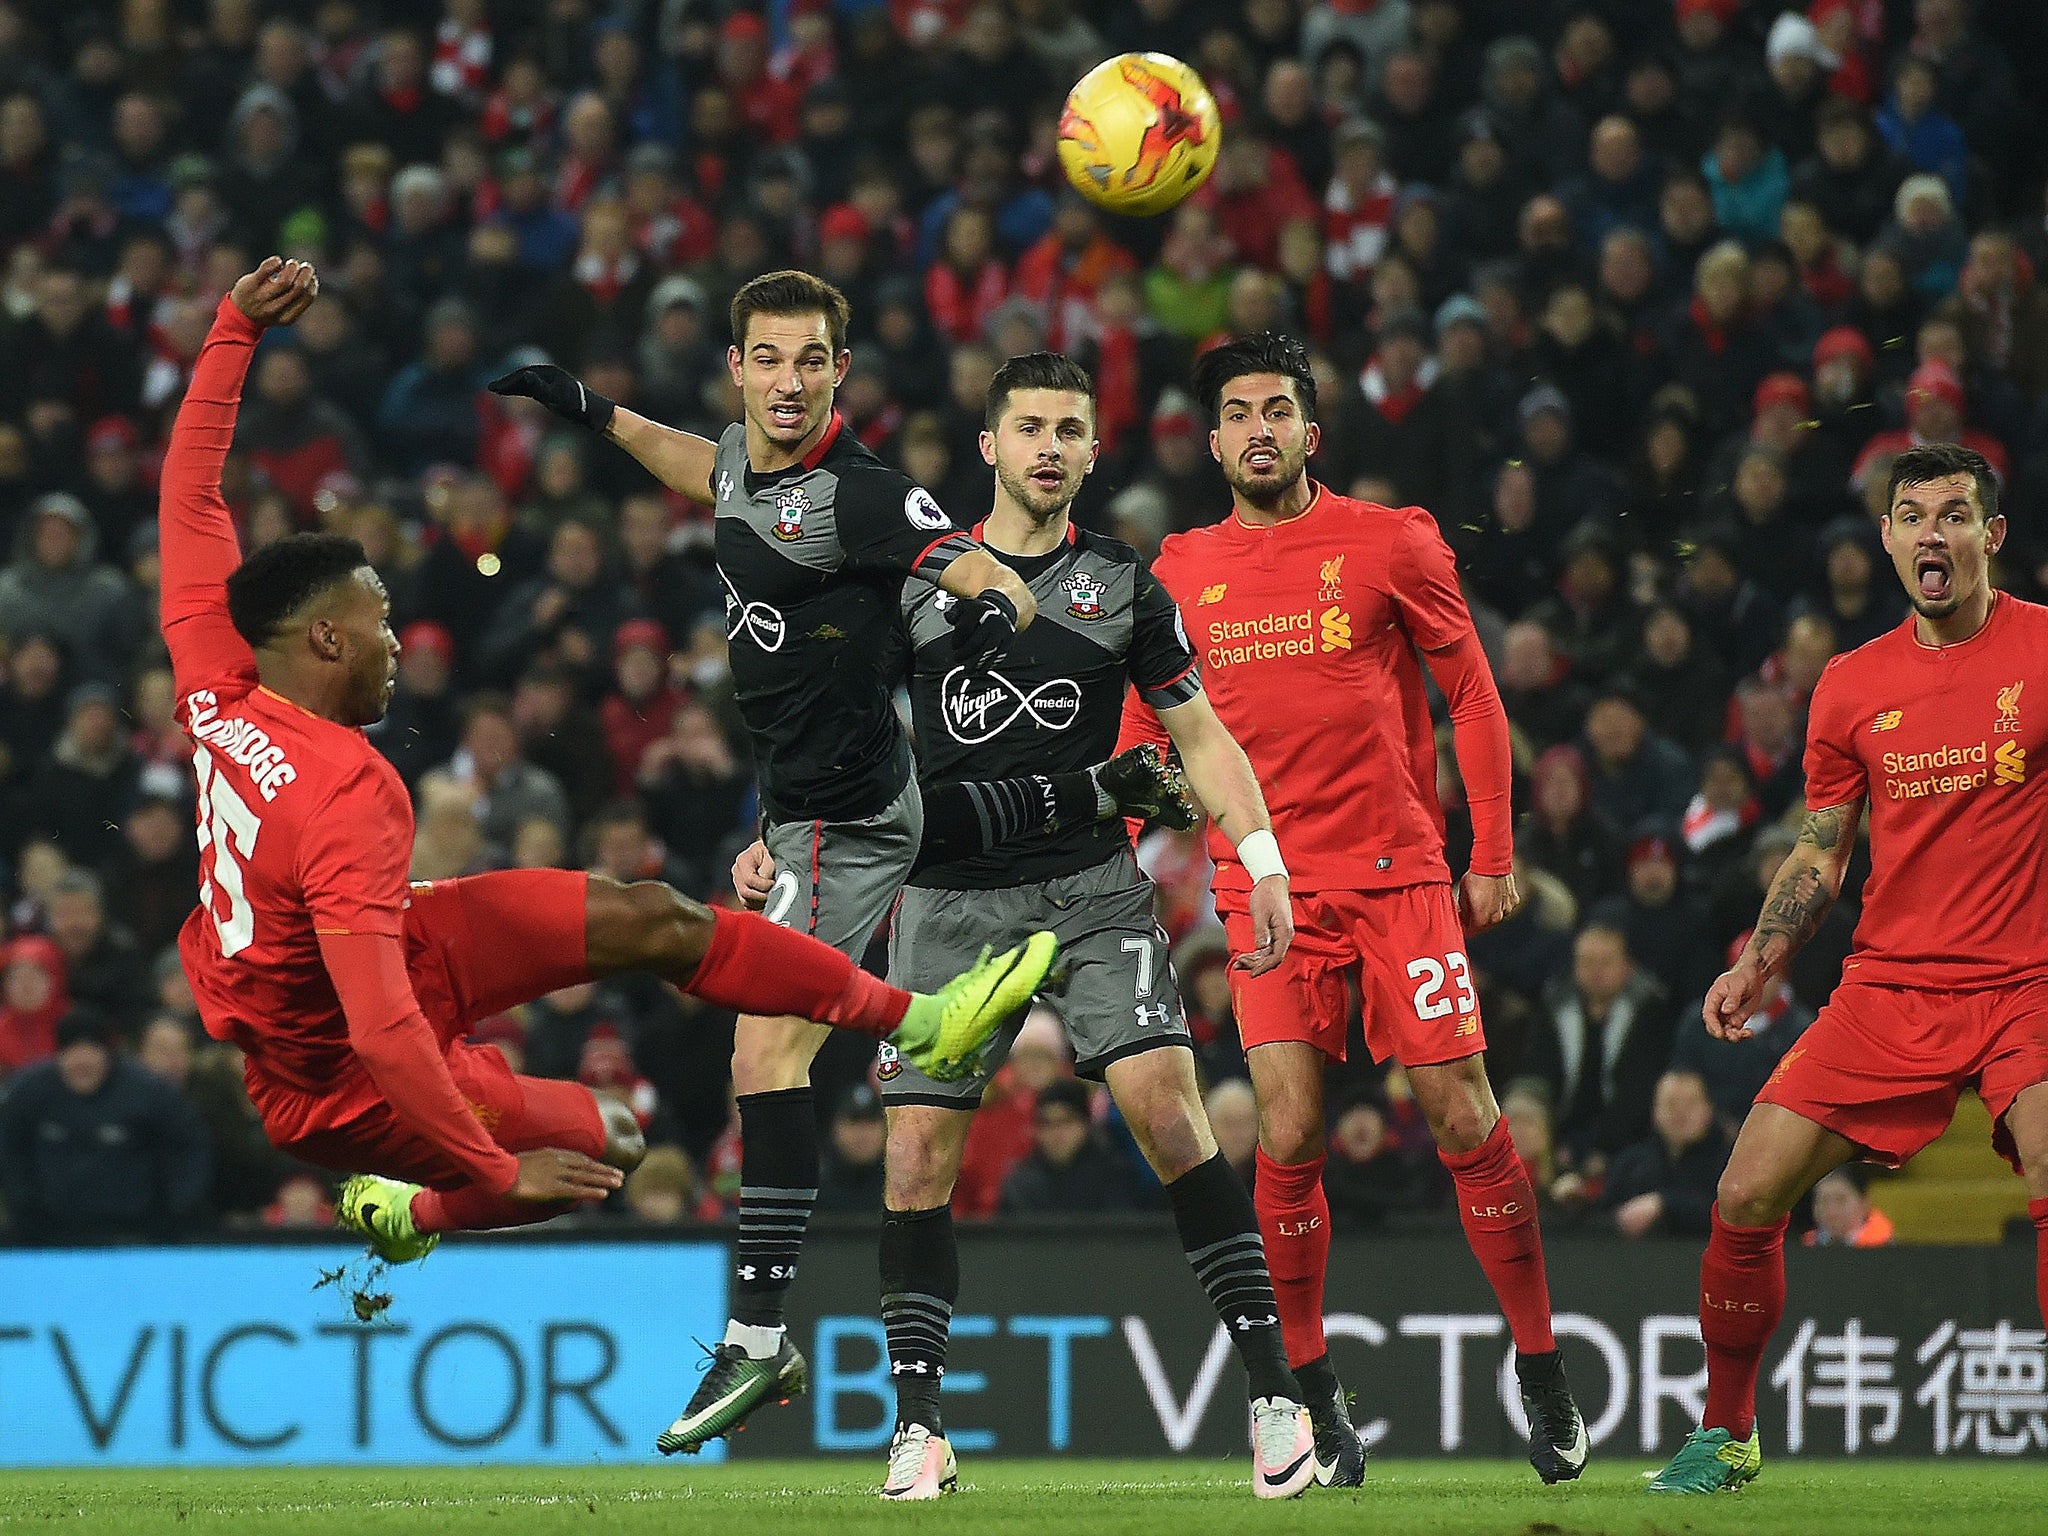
[[2027, 1123], [1778, 1157], [1219, 1233], [920, 1283], [1294, 1220], [1497, 1206]]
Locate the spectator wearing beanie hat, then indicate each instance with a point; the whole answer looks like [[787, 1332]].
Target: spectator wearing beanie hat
[[1797, 65], [638, 710], [1935, 413], [1926, 236], [1664, 922], [1844, 376]]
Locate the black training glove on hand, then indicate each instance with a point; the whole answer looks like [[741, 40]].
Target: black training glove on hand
[[560, 391], [983, 629]]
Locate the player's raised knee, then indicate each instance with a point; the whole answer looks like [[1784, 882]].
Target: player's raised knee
[[647, 925]]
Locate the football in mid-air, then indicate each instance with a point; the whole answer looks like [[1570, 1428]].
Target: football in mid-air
[[1139, 133]]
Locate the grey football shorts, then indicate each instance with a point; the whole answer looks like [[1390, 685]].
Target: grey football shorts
[[1113, 989], [835, 880]]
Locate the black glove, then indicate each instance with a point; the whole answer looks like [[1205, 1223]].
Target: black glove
[[560, 391], [983, 629]]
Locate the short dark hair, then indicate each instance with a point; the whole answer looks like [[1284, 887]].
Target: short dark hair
[[281, 578], [1267, 352], [1035, 370], [1937, 461], [791, 293]]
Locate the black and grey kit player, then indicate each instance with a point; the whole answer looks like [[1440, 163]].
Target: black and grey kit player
[[815, 538], [1052, 704]]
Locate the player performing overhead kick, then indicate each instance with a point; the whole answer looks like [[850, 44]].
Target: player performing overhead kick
[[349, 990], [815, 537], [1306, 610], [1051, 707], [1938, 728]]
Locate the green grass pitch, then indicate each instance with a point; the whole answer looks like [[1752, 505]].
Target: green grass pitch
[[1141, 1498]]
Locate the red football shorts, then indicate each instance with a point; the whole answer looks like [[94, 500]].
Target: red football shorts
[[474, 947], [1403, 948], [1883, 1066]]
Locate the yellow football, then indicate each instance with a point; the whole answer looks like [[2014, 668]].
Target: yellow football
[[1139, 133]]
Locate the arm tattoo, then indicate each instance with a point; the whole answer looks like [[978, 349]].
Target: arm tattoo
[[1824, 829], [1800, 897]]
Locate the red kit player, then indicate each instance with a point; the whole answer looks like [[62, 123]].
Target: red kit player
[[350, 990], [1940, 729], [1307, 610]]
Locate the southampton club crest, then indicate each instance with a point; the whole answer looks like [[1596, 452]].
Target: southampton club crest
[[1084, 596], [790, 508]]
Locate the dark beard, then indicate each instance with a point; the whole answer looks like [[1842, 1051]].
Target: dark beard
[[1028, 496], [1270, 497]]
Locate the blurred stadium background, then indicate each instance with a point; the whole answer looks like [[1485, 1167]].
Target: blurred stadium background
[[1638, 297]]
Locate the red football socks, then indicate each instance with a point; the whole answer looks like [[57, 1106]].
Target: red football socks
[[758, 967], [477, 1210], [2038, 1210], [1742, 1296], [1497, 1204], [1294, 1220]]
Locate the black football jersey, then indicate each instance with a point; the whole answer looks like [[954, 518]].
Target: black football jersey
[[813, 560], [1054, 702]]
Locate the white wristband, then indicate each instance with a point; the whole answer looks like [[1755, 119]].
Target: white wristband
[[1260, 856]]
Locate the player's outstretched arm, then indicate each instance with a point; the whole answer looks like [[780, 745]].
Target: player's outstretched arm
[[1222, 779], [682, 461], [679, 460], [1800, 896], [196, 532]]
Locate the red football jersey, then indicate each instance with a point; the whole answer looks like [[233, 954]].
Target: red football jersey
[[1946, 745], [1307, 633], [304, 827]]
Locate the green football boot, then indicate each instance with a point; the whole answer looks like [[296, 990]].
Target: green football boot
[[1711, 1461]]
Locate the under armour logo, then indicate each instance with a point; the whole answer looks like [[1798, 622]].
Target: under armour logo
[[725, 485], [1247, 1324], [910, 1367], [1151, 1015], [760, 623], [972, 703], [746, 1271]]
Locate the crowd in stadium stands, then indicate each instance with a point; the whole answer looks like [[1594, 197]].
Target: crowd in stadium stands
[[1639, 297]]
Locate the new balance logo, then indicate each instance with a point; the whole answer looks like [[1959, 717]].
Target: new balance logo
[[1887, 721], [1212, 594], [1336, 625]]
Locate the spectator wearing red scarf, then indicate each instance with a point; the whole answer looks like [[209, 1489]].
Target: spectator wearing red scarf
[[772, 108], [968, 281], [1256, 192], [1063, 272]]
